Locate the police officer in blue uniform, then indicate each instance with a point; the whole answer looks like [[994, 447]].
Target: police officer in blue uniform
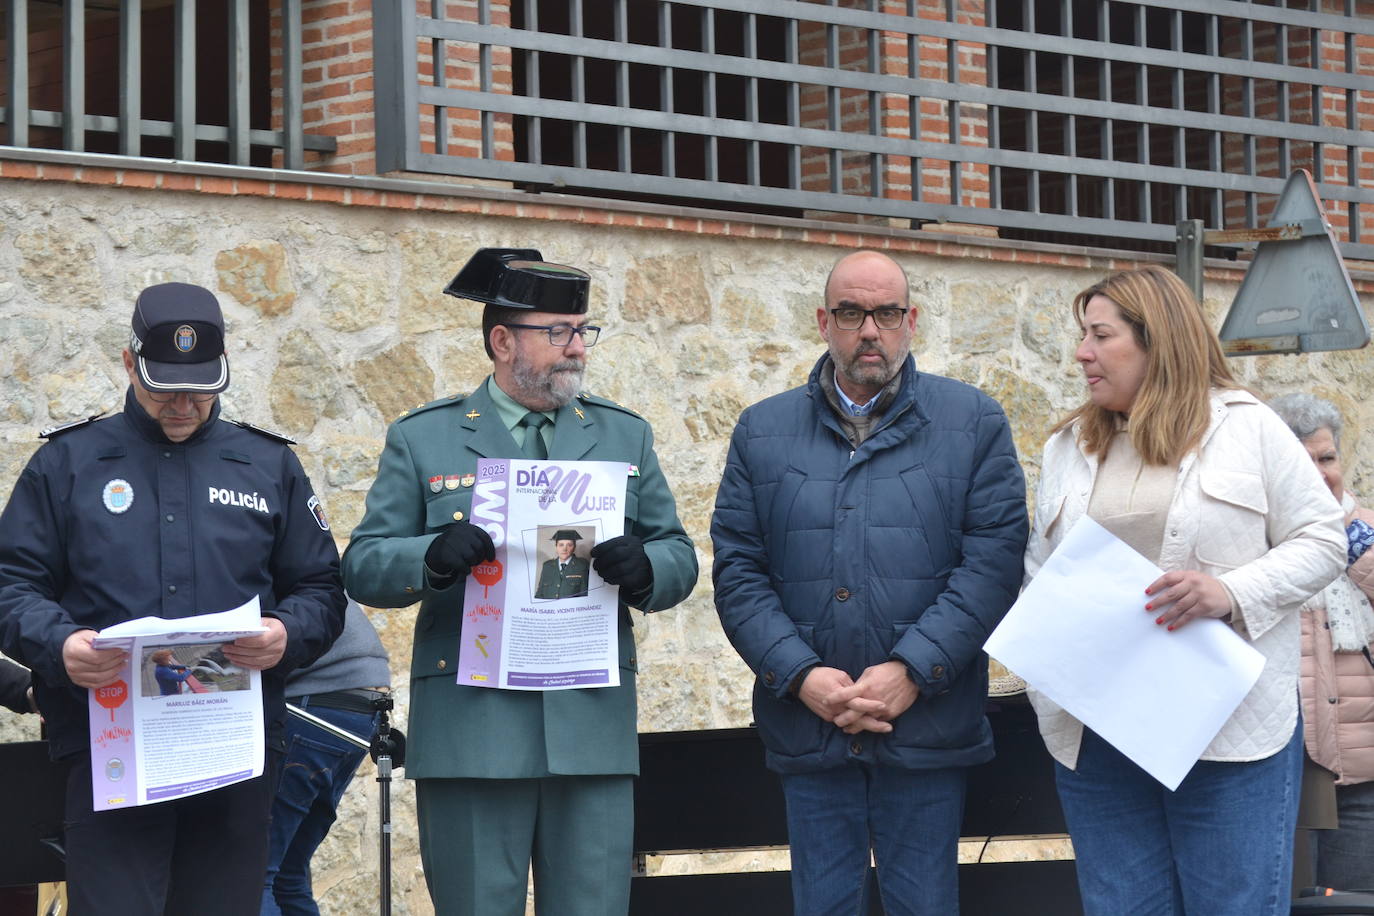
[[164, 509]]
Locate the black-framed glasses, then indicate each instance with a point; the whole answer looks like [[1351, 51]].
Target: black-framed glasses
[[560, 335], [851, 318], [167, 397]]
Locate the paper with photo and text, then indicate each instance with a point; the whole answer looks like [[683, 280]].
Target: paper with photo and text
[[518, 634], [179, 719]]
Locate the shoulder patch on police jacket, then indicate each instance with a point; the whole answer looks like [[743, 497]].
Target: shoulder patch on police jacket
[[449, 401], [276, 437], [54, 431], [599, 401]]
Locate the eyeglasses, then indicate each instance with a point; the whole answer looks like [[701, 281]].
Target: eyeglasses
[[560, 335], [885, 317], [170, 396]]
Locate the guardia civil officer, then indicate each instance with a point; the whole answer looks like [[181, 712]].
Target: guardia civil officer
[[506, 777], [565, 574], [163, 509]]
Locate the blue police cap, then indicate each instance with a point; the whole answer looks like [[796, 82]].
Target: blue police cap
[[178, 339]]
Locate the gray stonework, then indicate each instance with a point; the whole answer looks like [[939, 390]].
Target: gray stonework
[[337, 323]]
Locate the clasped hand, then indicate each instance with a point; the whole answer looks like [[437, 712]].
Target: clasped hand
[[882, 693], [1183, 595]]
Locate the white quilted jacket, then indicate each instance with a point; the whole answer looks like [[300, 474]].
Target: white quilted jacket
[[1249, 508]]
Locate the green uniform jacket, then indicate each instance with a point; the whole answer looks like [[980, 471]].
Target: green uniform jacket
[[570, 582], [481, 732]]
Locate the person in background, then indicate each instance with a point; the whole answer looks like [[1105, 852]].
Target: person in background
[[1171, 455], [16, 692], [341, 688], [1337, 670], [170, 675]]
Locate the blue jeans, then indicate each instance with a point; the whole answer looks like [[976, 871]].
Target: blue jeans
[[1221, 845], [317, 769], [909, 819], [1345, 857]]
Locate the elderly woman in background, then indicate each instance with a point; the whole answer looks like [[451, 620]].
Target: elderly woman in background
[[1171, 455], [1337, 670]]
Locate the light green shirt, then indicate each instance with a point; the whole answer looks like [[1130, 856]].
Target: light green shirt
[[512, 412]]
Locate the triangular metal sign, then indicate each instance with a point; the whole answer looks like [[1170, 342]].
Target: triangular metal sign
[[1297, 296]]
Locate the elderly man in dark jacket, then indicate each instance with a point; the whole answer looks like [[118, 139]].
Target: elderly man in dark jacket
[[868, 534]]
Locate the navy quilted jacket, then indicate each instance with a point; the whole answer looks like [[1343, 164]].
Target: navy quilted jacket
[[907, 548]]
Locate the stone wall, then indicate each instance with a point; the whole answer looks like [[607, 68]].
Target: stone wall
[[336, 324]]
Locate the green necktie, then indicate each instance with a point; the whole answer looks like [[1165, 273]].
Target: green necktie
[[534, 440]]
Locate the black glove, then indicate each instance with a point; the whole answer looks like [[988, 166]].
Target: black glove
[[457, 549], [622, 561]]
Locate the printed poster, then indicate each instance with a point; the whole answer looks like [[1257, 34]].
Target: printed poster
[[539, 617], [180, 719]]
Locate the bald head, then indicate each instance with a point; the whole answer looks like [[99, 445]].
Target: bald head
[[867, 321], [866, 269]]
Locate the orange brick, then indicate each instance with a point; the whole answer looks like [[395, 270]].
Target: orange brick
[[176, 181], [290, 190], [134, 179], [711, 227], [210, 185], [364, 197], [400, 201], [89, 175], [54, 172], [253, 187], [326, 193], [349, 68], [19, 169]]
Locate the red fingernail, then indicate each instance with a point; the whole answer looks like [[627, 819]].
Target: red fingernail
[[1171, 628], [1160, 619], [1149, 607]]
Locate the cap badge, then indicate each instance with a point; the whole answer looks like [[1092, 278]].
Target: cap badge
[[580, 414], [118, 496], [451, 482], [472, 415], [436, 483], [185, 338]]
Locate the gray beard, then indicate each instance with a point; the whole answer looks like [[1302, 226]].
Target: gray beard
[[867, 376], [548, 391]]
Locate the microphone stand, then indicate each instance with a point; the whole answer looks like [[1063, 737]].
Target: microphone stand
[[387, 749]]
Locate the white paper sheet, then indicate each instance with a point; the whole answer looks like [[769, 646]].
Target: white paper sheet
[[1080, 635], [179, 719]]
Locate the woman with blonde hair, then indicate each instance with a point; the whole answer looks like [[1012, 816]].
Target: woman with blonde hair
[[1175, 458]]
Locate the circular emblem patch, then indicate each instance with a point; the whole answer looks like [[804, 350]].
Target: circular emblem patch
[[118, 496], [114, 769], [185, 338]]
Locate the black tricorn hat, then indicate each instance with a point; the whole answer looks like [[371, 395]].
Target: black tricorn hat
[[565, 534], [520, 278]]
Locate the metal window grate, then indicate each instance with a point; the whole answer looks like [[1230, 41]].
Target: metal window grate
[[133, 103], [1072, 119]]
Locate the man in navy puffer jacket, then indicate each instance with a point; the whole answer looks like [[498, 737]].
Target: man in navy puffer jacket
[[868, 536]]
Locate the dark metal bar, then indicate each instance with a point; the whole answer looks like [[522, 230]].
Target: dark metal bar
[[184, 80], [437, 65], [292, 89], [130, 76], [238, 82], [1107, 137], [665, 88], [952, 112], [579, 87], [1070, 122], [751, 99], [1033, 115], [622, 88], [486, 120], [832, 105], [913, 69], [534, 125], [74, 75], [708, 45], [17, 71], [792, 51]]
